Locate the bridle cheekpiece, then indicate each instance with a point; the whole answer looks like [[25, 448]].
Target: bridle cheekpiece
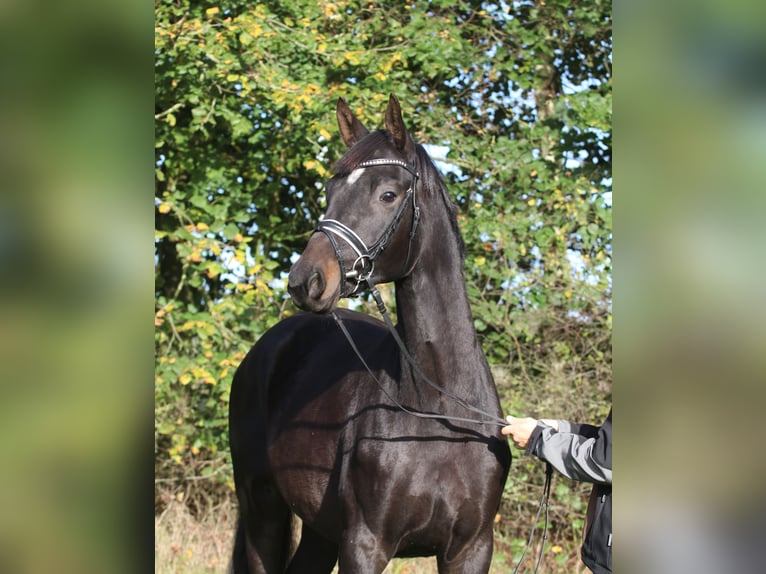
[[364, 264]]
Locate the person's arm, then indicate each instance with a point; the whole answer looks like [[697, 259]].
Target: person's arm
[[586, 430], [586, 457]]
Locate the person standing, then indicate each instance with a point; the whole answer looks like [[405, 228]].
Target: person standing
[[580, 452]]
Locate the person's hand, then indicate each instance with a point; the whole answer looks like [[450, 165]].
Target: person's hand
[[520, 429]]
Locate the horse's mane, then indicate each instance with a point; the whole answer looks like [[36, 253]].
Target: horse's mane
[[430, 179]]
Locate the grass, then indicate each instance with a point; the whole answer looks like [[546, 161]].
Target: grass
[[185, 544]]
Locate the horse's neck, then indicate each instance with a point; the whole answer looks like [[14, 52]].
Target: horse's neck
[[436, 322]]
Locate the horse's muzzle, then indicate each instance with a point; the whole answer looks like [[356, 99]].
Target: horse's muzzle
[[314, 281]]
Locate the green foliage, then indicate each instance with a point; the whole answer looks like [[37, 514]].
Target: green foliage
[[520, 95]]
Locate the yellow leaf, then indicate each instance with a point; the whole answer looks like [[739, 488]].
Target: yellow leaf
[[255, 30], [352, 57], [212, 11], [185, 379], [164, 208]]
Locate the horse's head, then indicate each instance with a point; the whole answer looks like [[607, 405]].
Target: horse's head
[[372, 214]]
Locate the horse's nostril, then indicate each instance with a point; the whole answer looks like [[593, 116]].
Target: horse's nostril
[[316, 285]]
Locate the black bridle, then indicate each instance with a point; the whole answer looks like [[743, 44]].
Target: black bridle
[[364, 264]]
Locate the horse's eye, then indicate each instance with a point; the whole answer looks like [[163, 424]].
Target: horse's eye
[[388, 197]]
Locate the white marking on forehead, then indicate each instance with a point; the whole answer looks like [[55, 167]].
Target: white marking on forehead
[[356, 174]]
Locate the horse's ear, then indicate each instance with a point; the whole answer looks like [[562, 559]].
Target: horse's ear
[[395, 125], [351, 129]]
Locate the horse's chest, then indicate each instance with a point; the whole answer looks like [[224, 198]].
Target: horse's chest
[[303, 463]]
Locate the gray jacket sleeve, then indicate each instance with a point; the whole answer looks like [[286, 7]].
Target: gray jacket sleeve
[[586, 457]]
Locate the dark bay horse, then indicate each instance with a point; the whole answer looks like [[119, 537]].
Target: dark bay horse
[[315, 435]]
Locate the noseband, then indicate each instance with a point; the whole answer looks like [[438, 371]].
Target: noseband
[[364, 264]]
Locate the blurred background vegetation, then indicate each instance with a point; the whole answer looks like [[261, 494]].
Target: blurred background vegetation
[[514, 100], [78, 254]]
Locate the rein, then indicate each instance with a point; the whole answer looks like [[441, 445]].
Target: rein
[[546, 500], [490, 418]]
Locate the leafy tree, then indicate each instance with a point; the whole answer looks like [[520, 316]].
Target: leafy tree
[[519, 94]]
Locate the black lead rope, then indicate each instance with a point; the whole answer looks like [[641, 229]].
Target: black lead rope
[[493, 419], [384, 391], [410, 359], [544, 501]]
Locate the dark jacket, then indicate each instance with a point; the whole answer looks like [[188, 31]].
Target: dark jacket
[[584, 452]]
